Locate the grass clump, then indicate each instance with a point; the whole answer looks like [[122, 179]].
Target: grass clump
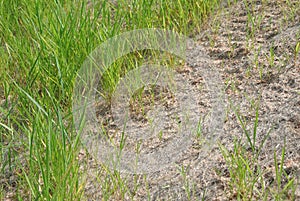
[[248, 176], [42, 46]]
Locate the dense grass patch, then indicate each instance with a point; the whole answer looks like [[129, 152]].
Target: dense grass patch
[[42, 46]]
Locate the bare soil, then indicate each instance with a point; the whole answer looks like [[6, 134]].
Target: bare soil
[[258, 65]]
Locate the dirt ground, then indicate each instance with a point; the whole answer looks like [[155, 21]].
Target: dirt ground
[[257, 64]]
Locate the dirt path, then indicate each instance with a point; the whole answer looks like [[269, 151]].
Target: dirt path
[[255, 56]]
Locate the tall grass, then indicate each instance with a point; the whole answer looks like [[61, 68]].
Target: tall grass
[[42, 46]]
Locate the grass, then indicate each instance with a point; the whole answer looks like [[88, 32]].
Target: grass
[[247, 181], [247, 174], [42, 46]]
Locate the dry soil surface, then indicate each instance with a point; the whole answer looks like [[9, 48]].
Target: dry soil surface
[[251, 46]]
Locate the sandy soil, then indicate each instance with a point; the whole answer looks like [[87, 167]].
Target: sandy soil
[[240, 52]]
